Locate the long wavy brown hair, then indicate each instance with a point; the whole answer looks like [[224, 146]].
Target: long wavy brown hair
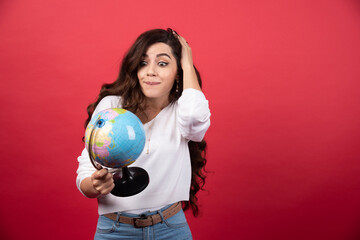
[[128, 87]]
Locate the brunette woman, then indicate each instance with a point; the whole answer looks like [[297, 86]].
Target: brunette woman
[[159, 83]]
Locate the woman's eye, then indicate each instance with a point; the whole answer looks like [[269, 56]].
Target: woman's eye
[[142, 63], [163, 64]]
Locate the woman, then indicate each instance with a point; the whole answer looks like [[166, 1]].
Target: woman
[[159, 83]]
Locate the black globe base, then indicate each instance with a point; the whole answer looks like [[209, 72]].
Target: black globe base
[[130, 181]]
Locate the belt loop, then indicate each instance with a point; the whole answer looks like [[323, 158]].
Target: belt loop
[[118, 216], [161, 215]]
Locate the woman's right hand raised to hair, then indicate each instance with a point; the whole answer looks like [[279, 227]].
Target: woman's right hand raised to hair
[[186, 53], [189, 75], [101, 182]]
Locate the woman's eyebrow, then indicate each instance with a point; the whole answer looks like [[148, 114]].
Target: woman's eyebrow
[[163, 54], [158, 55]]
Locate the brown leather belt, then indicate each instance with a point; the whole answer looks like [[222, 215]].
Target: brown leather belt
[[147, 220]]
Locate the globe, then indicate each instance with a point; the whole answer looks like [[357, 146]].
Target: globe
[[115, 138]]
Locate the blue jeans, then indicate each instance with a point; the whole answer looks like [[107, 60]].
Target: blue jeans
[[175, 227]]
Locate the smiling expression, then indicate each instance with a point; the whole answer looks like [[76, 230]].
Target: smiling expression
[[157, 72]]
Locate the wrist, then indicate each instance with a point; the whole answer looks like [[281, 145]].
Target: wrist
[[188, 67], [190, 79]]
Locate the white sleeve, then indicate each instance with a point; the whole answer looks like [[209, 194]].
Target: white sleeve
[[193, 114], [108, 102], [85, 168]]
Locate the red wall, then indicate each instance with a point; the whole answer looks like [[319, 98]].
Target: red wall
[[282, 78]]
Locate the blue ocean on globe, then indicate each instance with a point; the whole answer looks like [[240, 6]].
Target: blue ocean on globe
[[116, 137]]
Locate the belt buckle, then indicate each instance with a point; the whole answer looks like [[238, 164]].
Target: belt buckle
[[142, 217]]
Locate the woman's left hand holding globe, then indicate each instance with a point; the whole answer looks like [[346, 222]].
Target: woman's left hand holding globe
[[101, 182]]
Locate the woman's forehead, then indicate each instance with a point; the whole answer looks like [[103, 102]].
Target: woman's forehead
[[158, 48]]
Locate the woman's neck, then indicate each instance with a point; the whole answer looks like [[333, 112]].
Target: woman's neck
[[157, 104], [152, 109]]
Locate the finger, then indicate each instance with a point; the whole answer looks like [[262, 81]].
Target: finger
[[175, 33], [107, 190], [100, 173], [105, 187], [184, 43], [181, 38], [103, 183], [108, 177], [108, 186]]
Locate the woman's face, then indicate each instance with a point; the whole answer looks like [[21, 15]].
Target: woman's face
[[157, 72]]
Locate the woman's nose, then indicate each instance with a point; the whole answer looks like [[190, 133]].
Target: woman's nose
[[151, 69]]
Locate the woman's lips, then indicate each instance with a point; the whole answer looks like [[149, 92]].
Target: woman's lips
[[152, 83]]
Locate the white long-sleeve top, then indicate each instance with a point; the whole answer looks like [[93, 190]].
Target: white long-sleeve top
[[168, 161]]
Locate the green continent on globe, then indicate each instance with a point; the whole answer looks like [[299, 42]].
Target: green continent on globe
[[120, 110]]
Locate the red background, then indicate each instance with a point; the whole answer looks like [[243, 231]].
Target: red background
[[282, 78]]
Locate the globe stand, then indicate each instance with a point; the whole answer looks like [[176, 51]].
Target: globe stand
[[130, 181]]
